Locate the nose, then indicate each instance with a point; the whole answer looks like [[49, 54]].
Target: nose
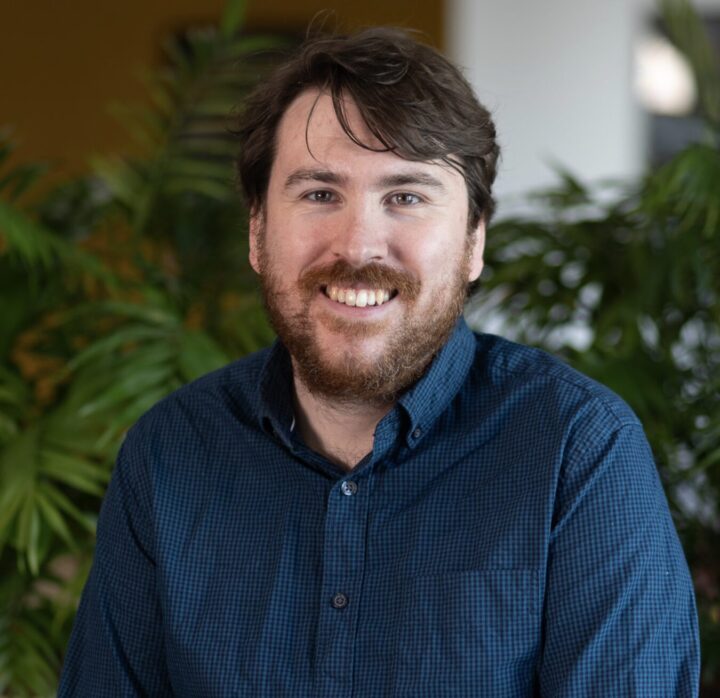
[[360, 237]]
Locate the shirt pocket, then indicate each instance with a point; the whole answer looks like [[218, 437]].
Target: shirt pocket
[[469, 633]]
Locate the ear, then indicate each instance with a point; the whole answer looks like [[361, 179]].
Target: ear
[[255, 229], [476, 252]]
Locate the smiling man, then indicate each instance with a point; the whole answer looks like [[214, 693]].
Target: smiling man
[[364, 258], [383, 503]]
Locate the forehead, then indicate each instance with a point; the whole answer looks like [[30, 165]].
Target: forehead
[[312, 112], [310, 135]]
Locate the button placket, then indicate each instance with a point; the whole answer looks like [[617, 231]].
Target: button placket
[[343, 559]]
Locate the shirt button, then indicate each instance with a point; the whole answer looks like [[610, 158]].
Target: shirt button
[[417, 433], [339, 601], [349, 488]]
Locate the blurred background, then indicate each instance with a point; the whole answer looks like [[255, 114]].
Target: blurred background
[[595, 86], [123, 269]]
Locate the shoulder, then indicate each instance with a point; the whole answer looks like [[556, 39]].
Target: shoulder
[[537, 381], [549, 413], [228, 395]]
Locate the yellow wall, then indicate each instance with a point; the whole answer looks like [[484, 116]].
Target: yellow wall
[[63, 62]]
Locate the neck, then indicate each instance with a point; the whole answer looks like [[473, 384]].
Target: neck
[[343, 432]]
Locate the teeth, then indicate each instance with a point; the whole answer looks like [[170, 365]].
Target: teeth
[[360, 299]]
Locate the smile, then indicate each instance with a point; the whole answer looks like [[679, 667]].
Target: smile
[[359, 298]]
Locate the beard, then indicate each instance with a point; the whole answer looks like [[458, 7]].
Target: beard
[[408, 349]]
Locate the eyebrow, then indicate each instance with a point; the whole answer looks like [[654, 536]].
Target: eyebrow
[[415, 178], [411, 179], [313, 175]]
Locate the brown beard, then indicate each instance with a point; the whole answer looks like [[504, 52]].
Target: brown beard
[[408, 352]]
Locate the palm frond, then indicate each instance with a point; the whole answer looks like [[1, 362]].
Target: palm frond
[[16, 180], [33, 506], [688, 34], [187, 131], [37, 247], [687, 189], [233, 17], [29, 644]]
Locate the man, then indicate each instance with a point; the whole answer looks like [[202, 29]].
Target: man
[[383, 503]]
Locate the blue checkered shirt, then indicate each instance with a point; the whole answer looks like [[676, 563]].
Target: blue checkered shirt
[[507, 536]]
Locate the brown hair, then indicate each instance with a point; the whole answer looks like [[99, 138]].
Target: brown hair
[[413, 100]]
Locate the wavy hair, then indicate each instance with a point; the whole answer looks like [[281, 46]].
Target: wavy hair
[[414, 101]]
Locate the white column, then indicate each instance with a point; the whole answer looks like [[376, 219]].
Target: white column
[[557, 74]]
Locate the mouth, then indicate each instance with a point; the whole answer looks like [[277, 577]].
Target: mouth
[[359, 297]]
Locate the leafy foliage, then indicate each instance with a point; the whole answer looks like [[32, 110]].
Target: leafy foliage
[[115, 289], [687, 32], [625, 284]]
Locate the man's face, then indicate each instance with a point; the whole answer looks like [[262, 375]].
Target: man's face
[[364, 256]]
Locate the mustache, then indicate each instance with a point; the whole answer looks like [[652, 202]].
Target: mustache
[[373, 275]]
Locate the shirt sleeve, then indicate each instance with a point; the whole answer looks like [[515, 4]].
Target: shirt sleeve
[[116, 647], [620, 616]]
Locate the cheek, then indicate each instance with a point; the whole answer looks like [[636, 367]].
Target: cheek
[[433, 254], [289, 249]]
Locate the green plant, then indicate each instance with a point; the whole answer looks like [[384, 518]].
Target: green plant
[[625, 284], [115, 289]]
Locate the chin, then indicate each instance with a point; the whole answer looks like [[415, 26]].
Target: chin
[[360, 353]]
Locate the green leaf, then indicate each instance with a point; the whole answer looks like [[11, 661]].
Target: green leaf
[[114, 341], [80, 474], [29, 657], [197, 168], [125, 417], [55, 519], [151, 312], [213, 190], [19, 180], [18, 464], [65, 432], [9, 396], [38, 247], [10, 504], [65, 504], [8, 429], [688, 33], [28, 533], [233, 17], [199, 354], [131, 387], [122, 179]]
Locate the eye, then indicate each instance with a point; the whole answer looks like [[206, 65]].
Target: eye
[[404, 198], [320, 196]]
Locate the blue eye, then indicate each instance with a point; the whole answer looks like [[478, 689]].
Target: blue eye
[[321, 196], [405, 199]]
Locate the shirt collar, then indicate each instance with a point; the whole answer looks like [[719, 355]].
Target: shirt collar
[[423, 403], [276, 412], [431, 395]]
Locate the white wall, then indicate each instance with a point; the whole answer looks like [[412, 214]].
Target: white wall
[[557, 75]]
